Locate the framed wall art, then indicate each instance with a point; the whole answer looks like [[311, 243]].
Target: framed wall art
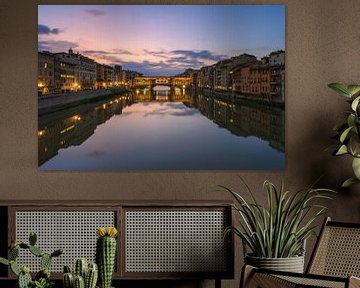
[[161, 87]]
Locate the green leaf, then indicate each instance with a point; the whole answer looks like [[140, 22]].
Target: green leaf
[[340, 88], [355, 103], [349, 182], [342, 150], [351, 120], [345, 134], [353, 89], [4, 261], [356, 167], [354, 143]]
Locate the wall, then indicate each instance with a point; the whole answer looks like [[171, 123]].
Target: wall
[[322, 46]]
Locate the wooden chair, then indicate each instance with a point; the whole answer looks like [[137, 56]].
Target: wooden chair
[[335, 262]]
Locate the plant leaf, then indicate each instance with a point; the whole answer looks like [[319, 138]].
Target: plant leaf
[[351, 120], [345, 134], [356, 167], [353, 89], [340, 88], [342, 150], [355, 103], [349, 182]]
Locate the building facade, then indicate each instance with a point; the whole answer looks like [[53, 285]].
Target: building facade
[[46, 77], [64, 76], [104, 76], [117, 75], [277, 74], [84, 69]]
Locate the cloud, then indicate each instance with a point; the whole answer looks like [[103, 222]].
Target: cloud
[[46, 30], [162, 53], [56, 46], [111, 52], [162, 62], [174, 109], [203, 54], [95, 12]]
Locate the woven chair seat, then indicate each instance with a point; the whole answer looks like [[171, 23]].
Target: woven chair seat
[[313, 282]]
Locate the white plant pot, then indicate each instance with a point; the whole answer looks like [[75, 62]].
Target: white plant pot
[[291, 264]]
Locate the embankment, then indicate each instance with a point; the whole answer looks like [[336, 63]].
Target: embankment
[[55, 102]]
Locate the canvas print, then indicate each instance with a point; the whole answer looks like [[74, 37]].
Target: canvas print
[[161, 87]]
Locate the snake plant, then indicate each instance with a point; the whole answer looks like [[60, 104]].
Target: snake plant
[[279, 228], [349, 131]]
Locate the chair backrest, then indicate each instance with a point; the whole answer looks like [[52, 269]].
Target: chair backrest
[[337, 251]]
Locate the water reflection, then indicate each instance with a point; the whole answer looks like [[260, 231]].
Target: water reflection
[[246, 122]]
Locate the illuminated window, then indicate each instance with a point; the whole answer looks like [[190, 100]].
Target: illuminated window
[[45, 65]]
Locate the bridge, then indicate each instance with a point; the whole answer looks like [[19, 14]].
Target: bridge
[[171, 81]]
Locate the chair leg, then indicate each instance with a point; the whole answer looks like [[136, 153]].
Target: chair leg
[[246, 273], [217, 283]]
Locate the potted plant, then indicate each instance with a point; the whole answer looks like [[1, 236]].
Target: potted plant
[[349, 132], [84, 274], [42, 278], [276, 233]]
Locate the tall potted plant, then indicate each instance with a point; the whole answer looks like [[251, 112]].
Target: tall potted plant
[[349, 131], [276, 233]]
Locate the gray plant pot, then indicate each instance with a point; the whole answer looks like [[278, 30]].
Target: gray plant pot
[[291, 264]]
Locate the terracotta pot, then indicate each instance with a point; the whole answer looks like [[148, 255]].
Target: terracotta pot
[[291, 264]]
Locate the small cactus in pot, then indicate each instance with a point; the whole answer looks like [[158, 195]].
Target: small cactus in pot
[[85, 275], [106, 254]]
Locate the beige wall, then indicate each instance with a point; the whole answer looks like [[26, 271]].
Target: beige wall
[[322, 46]]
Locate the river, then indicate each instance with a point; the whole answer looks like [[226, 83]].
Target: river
[[163, 130]]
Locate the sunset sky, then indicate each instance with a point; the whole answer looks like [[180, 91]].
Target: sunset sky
[[161, 39]]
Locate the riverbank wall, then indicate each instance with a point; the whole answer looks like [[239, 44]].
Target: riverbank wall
[[55, 102], [225, 95]]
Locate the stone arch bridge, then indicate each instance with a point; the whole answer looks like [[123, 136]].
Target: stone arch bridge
[[171, 81]]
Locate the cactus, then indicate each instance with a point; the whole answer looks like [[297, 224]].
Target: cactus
[[57, 252], [32, 239], [90, 272], [105, 254], [45, 261], [42, 278], [67, 269], [68, 280], [79, 282], [91, 276], [13, 253], [36, 251], [4, 261], [24, 280], [80, 268], [14, 268], [24, 245]]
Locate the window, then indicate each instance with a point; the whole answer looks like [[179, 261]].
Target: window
[[45, 65]]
